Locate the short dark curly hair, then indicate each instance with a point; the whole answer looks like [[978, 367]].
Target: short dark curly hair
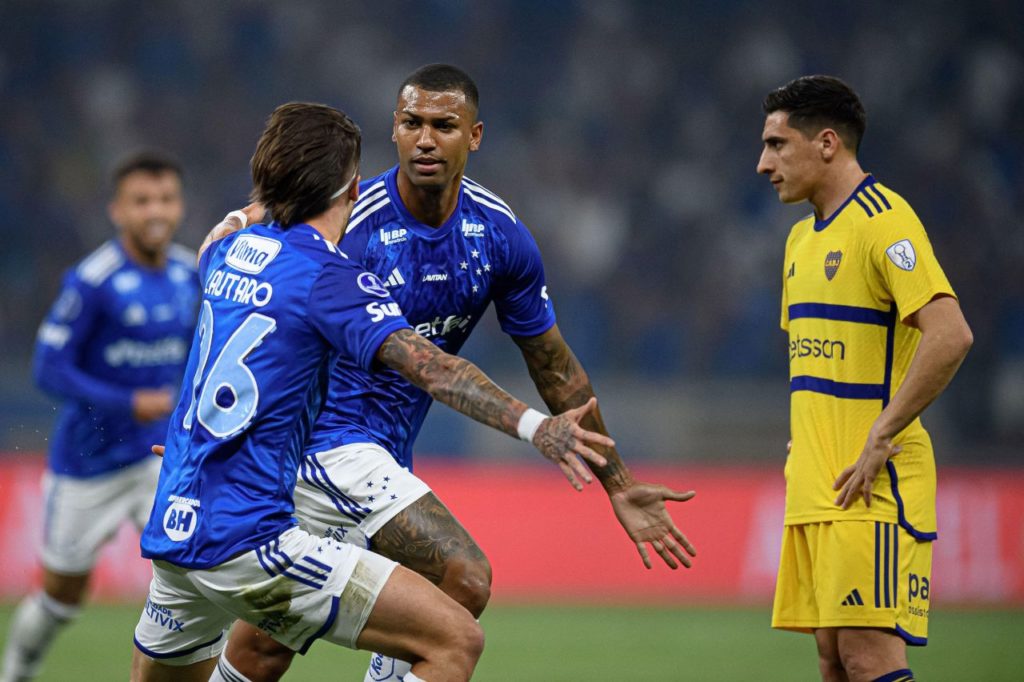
[[441, 78]]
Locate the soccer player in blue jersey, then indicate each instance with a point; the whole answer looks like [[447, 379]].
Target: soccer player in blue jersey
[[112, 349], [281, 303], [876, 334], [446, 248]]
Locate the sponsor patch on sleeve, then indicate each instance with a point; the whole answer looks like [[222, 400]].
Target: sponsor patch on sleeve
[[902, 255]]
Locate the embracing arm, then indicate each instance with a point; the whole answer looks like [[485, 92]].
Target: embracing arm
[[639, 507], [461, 385], [945, 340], [232, 223]]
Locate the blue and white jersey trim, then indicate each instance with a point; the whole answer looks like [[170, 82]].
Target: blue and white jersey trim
[[101, 264], [373, 199], [313, 472], [482, 195], [306, 570]]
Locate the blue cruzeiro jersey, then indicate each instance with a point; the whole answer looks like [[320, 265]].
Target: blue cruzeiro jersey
[[117, 326], [279, 306], [443, 278]]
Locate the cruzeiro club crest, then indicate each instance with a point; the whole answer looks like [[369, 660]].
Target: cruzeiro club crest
[[832, 261]]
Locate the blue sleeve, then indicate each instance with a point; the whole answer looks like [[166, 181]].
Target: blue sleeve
[[520, 294], [354, 312], [56, 366]]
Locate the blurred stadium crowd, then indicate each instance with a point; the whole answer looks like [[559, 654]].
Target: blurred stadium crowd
[[624, 134]]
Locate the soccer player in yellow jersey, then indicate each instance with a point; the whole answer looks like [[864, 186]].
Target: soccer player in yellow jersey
[[875, 335]]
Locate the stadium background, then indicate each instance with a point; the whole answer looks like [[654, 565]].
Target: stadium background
[[625, 135]]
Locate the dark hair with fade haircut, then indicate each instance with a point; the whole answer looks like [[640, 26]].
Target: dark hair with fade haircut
[[152, 161], [305, 154], [817, 102], [443, 77]]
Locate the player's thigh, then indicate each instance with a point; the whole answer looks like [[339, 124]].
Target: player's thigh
[[413, 619], [82, 514], [145, 669], [348, 493], [427, 538], [179, 626], [299, 588]]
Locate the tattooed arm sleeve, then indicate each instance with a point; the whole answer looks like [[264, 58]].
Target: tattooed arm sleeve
[[563, 384], [451, 380]]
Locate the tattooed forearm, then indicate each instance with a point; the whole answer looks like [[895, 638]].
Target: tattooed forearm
[[563, 384], [451, 380]]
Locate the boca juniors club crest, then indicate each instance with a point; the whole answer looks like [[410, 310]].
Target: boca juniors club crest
[[832, 261]]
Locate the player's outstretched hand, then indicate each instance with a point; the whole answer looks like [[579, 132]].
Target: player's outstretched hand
[[641, 510], [858, 479], [562, 440], [157, 450]]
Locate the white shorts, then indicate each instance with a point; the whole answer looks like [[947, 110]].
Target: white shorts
[[297, 588], [83, 514], [350, 492]]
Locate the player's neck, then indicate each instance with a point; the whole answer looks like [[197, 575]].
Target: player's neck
[[140, 257], [428, 205], [836, 188], [331, 223]]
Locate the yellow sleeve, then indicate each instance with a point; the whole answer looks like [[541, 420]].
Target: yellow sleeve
[[907, 271]]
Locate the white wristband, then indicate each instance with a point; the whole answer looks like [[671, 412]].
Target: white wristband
[[529, 423], [241, 217]]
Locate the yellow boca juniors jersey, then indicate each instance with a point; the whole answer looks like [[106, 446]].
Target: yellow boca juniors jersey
[[849, 284]]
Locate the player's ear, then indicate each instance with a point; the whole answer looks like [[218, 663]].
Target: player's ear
[[353, 191], [476, 134], [828, 143], [394, 126]]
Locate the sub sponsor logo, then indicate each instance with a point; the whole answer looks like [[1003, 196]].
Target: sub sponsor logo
[[378, 311]]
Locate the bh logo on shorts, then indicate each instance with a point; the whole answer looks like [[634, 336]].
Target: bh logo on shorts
[[181, 518]]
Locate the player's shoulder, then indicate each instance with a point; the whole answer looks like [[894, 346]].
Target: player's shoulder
[[489, 205], [99, 266], [373, 206], [886, 213]]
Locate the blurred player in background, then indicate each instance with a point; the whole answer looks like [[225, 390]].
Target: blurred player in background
[[445, 248], [280, 304], [875, 335], [112, 349]]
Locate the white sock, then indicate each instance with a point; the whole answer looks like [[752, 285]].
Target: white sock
[[36, 623], [225, 672], [384, 668]]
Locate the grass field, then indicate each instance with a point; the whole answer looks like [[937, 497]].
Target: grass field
[[571, 644]]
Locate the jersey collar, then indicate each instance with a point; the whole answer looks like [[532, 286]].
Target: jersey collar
[[820, 225], [425, 231]]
